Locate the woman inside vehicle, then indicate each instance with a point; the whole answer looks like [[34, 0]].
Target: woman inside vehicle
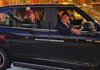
[[30, 20]]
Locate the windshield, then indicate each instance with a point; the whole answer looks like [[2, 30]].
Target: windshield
[[90, 11]]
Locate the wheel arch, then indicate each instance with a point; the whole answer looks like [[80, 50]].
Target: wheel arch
[[7, 52]]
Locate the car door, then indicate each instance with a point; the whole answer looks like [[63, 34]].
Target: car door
[[73, 49], [83, 48], [26, 42]]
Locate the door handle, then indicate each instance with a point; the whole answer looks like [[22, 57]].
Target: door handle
[[49, 40]]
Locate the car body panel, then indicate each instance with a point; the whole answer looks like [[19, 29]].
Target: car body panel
[[47, 46]]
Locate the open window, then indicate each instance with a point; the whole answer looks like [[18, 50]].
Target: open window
[[77, 18], [39, 12], [5, 20], [42, 14]]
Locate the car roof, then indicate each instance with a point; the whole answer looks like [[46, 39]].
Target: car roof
[[38, 5], [4, 9]]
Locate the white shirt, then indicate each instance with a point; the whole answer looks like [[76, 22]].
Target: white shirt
[[66, 23]]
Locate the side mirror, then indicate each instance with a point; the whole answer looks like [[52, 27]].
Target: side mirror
[[88, 26]]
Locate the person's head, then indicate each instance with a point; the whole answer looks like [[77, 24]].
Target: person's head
[[31, 14], [65, 17]]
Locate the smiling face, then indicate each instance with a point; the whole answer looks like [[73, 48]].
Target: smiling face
[[32, 17], [65, 18]]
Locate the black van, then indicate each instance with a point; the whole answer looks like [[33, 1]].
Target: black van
[[45, 48]]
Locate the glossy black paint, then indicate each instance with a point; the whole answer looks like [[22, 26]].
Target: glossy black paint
[[47, 47]]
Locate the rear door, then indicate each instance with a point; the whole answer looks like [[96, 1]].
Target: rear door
[[25, 40]]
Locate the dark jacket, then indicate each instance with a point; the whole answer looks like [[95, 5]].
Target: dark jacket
[[63, 29]]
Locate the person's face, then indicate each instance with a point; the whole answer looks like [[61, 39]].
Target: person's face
[[65, 18], [32, 16]]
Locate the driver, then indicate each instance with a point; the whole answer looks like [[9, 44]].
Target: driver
[[65, 27]]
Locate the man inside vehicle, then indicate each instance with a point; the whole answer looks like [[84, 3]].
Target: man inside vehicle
[[30, 20], [65, 25]]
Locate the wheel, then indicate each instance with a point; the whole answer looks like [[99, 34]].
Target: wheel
[[4, 60]]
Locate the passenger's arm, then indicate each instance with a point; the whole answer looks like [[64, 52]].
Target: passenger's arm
[[15, 17]]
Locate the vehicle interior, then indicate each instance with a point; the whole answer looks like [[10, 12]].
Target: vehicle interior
[[43, 15], [77, 19]]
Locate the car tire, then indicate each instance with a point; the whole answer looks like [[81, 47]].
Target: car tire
[[4, 60]]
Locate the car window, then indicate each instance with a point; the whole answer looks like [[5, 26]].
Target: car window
[[5, 20], [78, 21], [39, 12], [73, 15]]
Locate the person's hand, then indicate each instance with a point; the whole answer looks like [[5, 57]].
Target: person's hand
[[76, 31], [83, 21], [10, 14]]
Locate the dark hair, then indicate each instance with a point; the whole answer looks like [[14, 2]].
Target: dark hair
[[65, 13]]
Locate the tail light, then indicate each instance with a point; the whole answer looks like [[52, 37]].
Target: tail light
[[2, 37]]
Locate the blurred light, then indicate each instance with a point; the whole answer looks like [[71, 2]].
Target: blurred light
[[85, 5], [70, 0], [2, 37], [65, 3]]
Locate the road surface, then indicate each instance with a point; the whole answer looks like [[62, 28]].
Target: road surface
[[18, 68], [21, 68]]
